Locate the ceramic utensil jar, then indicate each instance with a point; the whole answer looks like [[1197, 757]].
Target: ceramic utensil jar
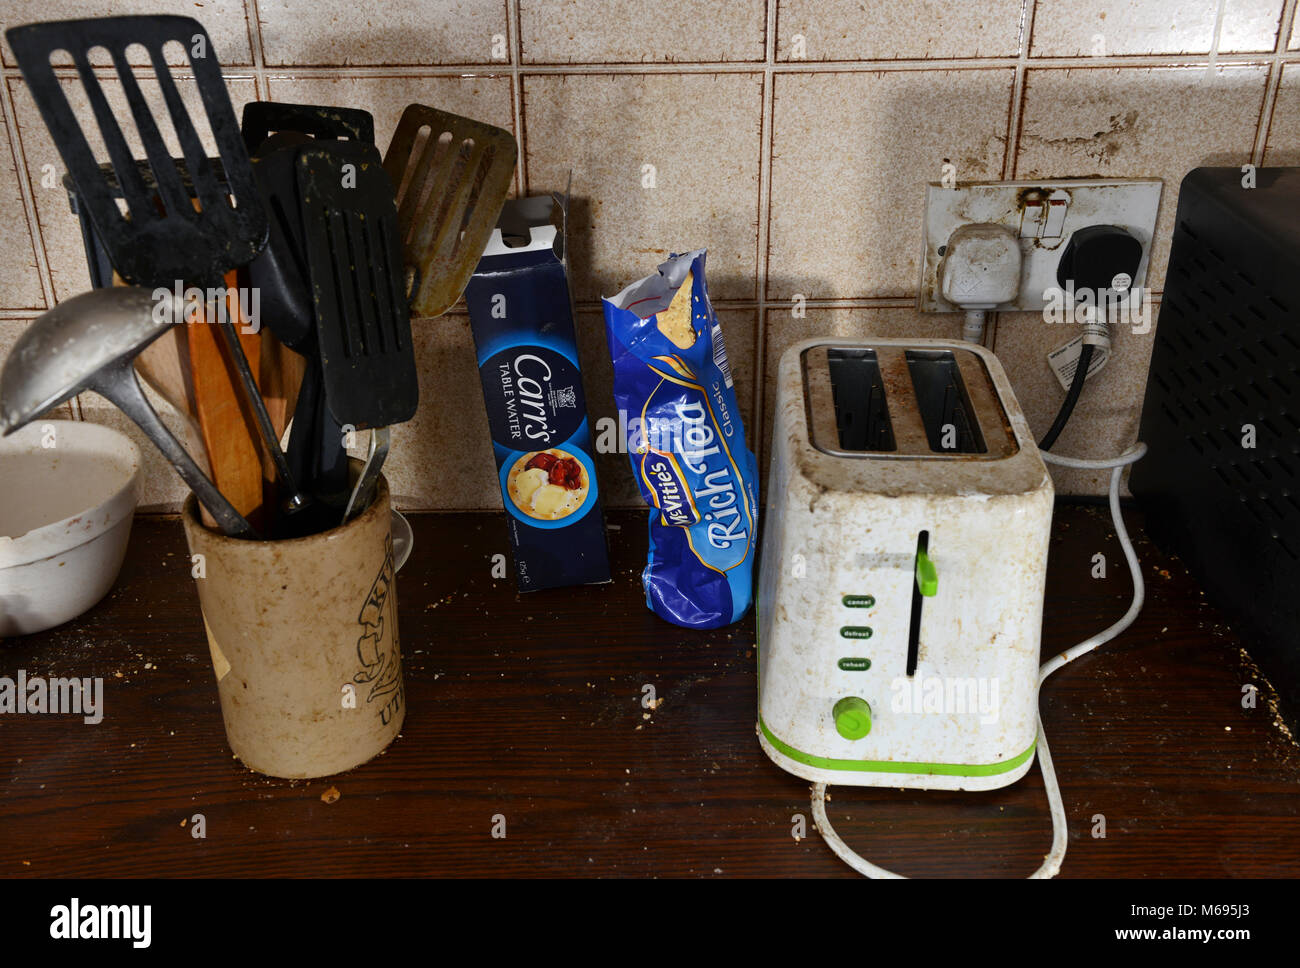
[[303, 634]]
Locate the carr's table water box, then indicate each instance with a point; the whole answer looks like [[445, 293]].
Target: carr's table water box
[[522, 319]]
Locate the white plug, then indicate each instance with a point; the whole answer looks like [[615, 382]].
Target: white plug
[[980, 271]]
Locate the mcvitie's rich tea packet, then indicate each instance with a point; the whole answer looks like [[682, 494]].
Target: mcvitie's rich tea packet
[[686, 442]]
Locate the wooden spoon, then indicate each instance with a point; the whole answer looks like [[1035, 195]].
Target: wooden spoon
[[225, 418]]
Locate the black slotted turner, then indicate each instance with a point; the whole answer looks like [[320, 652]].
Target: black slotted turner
[[354, 255], [162, 237]]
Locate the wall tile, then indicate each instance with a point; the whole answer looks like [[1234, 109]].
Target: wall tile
[[225, 21], [396, 32], [59, 229], [845, 30], [1283, 147], [486, 98], [10, 330], [641, 31], [851, 153], [442, 459], [699, 131], [20, 281], [1105, 420], [1070, 28], [1139, 122], [163, 488]]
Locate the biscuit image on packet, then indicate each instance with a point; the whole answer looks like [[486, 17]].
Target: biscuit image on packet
[[686, 442]]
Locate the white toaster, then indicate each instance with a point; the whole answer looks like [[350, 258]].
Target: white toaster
[[904, 557]]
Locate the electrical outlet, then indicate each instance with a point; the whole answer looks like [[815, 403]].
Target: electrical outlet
[[1042, 215]]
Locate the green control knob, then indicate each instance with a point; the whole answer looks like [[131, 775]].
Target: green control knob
[[852, 717]]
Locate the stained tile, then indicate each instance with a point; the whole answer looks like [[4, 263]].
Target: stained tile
[[1139, 122], [397, 32], [1083, 28], [700, 134], [163, 489], [851, 154], [1105, 420], [485, 98], [10, 330], [842, 30], [640, 31], [1283, 147], [442, 459], [60, 232], [20, 281], [224, 20]]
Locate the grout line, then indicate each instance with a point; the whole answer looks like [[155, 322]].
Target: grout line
[[1011, 162], [27, 197], [1274, 82], [257, 45], [489, 69], [1017, 111], [517, 94], [763, 250]]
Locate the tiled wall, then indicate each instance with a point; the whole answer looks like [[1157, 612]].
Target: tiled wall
[[790, 137]]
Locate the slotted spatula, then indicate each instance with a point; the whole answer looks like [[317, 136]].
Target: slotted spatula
[[363, 322], [274, 132], [451, 176]]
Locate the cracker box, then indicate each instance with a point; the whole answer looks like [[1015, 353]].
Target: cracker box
[[522, 318]]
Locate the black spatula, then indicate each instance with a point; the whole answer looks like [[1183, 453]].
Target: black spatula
[[358, 286], [275, 132], [357, 274], [150, 244]]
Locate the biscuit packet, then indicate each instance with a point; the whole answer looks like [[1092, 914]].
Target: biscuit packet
[[686, 442], [520, 313]]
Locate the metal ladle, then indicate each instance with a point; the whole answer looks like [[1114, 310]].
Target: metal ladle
[[89, 342]]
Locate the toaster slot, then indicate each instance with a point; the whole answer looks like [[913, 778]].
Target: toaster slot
[[845, 399], [944, 404], [861, 414]]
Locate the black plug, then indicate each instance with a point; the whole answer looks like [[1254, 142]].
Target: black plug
[[1097, 259], [1096, 256]]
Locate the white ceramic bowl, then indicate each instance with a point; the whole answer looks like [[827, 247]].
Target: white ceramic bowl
[[64, 520]]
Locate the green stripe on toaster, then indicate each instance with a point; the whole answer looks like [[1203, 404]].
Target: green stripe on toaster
[[888, 766]]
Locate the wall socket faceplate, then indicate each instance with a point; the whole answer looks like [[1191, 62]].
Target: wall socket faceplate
[[1043, 215]]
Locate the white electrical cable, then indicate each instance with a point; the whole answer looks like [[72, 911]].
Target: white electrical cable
[[973, 329], [1051, 865]]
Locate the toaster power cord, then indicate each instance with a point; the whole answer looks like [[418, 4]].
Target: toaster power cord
[[1071, 398], [1051, 865]]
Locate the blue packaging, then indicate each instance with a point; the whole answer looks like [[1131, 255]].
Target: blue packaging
[[686, 442], [521, 315]]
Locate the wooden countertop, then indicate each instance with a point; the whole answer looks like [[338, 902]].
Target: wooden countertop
[[530, 707]]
